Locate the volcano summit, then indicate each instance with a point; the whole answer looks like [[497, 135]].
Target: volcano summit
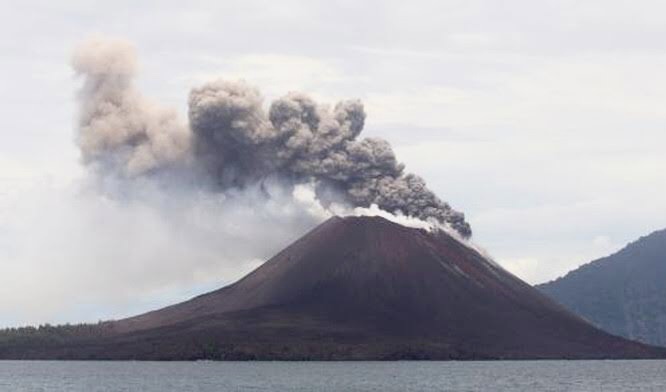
[[352, 288]]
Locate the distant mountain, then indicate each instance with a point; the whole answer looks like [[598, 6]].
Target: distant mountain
[[624, 294], [352, 288]]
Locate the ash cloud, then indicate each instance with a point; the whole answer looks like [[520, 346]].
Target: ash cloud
[[233, 142], [117, 125]]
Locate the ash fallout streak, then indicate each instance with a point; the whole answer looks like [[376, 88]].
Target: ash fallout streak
[[233, 142]]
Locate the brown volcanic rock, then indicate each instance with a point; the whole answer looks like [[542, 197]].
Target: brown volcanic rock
[[359, 288]]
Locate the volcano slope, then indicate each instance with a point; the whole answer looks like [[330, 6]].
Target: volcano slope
[[355, 288]]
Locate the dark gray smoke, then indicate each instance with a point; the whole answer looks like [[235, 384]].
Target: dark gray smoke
[[302, 140], [237, 143]]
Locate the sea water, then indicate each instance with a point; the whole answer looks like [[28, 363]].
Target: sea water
[[588, 376]]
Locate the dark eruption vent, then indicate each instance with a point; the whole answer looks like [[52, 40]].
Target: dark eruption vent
[[359, 288]]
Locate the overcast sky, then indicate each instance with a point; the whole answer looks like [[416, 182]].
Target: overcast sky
[[543, 121]]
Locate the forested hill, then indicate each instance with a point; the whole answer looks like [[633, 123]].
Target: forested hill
[[624, 293]]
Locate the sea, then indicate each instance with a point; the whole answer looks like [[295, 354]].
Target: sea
[[495, 376]]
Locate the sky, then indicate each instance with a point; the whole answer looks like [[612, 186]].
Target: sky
[[543, 121]]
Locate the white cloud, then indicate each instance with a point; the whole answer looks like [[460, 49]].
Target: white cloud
[[277, 74]]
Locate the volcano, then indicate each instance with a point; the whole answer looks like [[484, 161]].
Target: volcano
[[353, 288]]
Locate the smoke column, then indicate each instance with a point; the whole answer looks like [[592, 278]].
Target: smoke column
[[119, 128], [233, 142]]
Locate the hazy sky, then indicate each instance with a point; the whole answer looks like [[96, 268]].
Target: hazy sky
[[543, 121]]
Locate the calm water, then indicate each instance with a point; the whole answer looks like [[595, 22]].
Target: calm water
[[606, 376]]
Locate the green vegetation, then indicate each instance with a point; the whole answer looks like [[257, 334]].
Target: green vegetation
[[624, 293], [50, 334]]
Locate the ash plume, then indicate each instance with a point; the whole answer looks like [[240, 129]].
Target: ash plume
[[237, 143], [117, 125]]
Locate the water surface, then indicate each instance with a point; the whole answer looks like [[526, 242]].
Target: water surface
[[519, 376]]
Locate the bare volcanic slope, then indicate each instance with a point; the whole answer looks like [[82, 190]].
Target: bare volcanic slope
[[356, 288]]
